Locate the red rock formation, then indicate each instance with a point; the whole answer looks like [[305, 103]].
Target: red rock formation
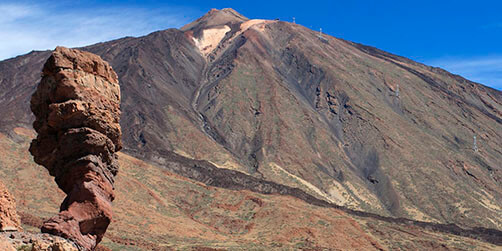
[[77, 110], [9, 220]]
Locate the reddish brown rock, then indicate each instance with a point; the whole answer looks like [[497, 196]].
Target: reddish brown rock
[[77, 110], [9, 220], [6, 245]]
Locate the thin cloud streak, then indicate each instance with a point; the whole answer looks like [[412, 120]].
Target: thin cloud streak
[[484, 70], [26, 27], [492, 26]]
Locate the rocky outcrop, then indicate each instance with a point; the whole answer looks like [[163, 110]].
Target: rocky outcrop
[[77, 110], [9, 220], [34, 242]]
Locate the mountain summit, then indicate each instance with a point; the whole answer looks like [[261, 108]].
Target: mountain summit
[[273, 107], [214, 18]]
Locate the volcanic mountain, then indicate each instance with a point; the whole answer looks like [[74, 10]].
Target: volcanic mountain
[[273, 107]]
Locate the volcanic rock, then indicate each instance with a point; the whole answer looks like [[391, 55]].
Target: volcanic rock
[[77, 110], [9, 220], [34, 242], [6, 245]]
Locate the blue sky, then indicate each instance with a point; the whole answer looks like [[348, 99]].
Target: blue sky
[[464, 37]]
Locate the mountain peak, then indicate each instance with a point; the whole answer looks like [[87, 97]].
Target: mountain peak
[[216, 17]]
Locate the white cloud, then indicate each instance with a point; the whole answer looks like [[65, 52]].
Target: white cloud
[[26, 26], [485, 70], [11, 12]]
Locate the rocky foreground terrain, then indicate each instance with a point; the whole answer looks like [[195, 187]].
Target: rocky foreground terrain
[[156, 209], [243, 133]]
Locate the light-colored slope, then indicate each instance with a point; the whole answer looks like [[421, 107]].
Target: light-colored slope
[[210, 39]]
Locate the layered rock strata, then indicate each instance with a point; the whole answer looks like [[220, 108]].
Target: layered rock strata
[[77, 110], [9, 220]]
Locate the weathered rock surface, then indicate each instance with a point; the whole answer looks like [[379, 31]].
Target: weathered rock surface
[[77, 110], [9, 220], [6, 245], [34, 242]]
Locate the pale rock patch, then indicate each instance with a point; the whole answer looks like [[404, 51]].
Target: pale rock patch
[[210, 39], [260, 24], [309, 185]]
